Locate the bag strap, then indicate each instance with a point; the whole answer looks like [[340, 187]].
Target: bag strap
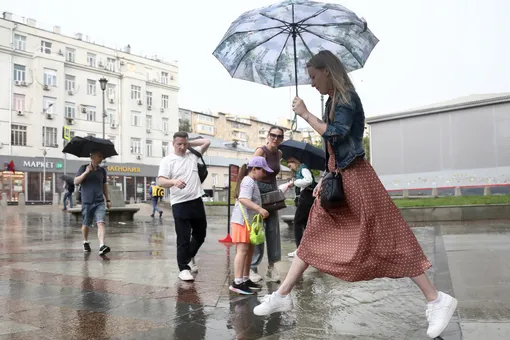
[[196, 153], [248, 226]]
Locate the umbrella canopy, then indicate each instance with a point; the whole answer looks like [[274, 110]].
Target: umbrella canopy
[[83, 146], [305, 153], [271, 45], [68, 179]]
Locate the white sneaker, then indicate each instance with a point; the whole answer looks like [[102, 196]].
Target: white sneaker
[[185, 275], [293, 254], [255, 277], [272, 275], [193, 266], [439, 314], [273, 304]]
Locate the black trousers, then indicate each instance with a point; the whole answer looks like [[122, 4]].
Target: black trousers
[[303, 206], [190, 228]]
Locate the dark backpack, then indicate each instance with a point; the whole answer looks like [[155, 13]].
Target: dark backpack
[[202, 168], [70, 188]]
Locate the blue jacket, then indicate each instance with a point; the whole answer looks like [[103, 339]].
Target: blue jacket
[[345, 133]]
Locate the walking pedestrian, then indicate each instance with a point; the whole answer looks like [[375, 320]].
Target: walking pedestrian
[[156, 192], [179, 172], [248, 204], [68, 195], [94, 189], [366, 237]]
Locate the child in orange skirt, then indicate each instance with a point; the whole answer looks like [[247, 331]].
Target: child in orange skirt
[[248, 198]]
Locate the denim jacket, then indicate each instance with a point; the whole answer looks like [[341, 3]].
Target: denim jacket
[[345, 133]]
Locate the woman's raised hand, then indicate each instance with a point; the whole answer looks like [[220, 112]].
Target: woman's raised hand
[[298, 106]]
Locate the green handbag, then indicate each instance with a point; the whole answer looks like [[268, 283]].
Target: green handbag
[[256, 229]]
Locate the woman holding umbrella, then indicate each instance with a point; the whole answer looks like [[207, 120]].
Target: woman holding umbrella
[[365, 237]]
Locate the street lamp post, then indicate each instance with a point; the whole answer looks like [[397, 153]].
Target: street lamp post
[[45, 135], [103, 81]]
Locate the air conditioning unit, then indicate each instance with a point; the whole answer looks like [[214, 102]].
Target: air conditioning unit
[[162, 110], [24, 83], [149, 107], [113, 126], [138, 157], [148, 130], [49, 116], [60, 52], [171, 77], [83, 110], [55, 145], [111, 100], [70, 93], [122, 62], [21, 113], [140, 102], [100, 64], [46, 88], [17, 83], [70, 121]]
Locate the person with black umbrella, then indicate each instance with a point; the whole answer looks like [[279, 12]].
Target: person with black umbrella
[[94, 191]]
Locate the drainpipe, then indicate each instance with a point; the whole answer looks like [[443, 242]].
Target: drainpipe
[[119, 92], [11, 80]]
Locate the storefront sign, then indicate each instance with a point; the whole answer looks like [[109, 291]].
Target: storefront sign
[[116, 168], [37, 164]]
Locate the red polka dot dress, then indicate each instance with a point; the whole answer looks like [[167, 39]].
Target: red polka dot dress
[[365, 238]]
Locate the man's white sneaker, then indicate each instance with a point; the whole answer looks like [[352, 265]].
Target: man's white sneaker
[[185, 275], [293, 254], [439, 314], [273, 304], [255, 277], [193, 266], [272, 275]]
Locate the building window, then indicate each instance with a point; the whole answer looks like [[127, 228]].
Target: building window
[[225, 180], [49, 137], [206, 128], [111, 117], [110, 64], [165, 124], [164, 101], [49, 104], [136, 146], [19, 102], [20, 42], [164, 77], [148, 121], [91, 87], [136, 92], [236, 125], [214, 179], [19, 72], [149, 98], [111, 91], [19, 135], [45, 47], [148, 147], [165, 149], [91, 59], [70, 55], [136, 118], [70, 83], [50, 77], [70, 110], [206, 119], [91, 113]]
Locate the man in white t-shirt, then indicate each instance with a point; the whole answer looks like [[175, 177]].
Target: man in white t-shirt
[[179, 172]]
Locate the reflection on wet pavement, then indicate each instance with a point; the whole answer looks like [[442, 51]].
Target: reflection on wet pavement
[[50, 289]]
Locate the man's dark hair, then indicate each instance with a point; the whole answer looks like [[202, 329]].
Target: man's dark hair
[[181, 134]]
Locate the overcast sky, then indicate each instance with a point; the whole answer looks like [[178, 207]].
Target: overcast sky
[[429, 51]]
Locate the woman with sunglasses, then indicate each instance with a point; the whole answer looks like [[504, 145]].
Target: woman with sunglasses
[[366, 237], [273, 157]]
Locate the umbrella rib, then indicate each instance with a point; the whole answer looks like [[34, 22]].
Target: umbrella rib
[[250, 31], [278, 59], [304, 43], [334, 42], [248, 51], [311, 16], [279, 20]]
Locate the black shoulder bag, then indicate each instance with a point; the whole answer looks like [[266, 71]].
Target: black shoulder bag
[[202, 168]]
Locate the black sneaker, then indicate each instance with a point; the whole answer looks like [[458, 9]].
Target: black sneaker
[[152, 215], [103, 250], [240, 288], [86, 247], [160, 214], [252, 285]]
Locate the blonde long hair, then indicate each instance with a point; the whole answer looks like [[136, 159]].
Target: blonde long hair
[[341, 81]]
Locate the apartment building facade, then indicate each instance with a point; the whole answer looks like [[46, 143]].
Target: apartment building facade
[[51, 80]]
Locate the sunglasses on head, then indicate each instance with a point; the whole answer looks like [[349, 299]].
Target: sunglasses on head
[[275, 136]]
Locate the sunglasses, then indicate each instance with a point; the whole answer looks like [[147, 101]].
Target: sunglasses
[[257, 168], [275, 136]]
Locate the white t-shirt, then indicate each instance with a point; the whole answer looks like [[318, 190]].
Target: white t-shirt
[[184, 168]]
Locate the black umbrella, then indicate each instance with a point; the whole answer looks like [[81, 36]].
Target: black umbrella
[[305, 153], [68, 179], [83, 146]]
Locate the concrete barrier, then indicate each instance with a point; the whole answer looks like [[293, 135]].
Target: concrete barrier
[[56, 199], [21, 199], [3, 200]]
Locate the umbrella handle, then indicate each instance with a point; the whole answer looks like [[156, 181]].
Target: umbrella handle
[[293, 126]]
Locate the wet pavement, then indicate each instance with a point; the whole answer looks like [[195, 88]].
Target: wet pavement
[[50, 289]]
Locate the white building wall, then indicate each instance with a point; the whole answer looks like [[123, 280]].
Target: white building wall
[[129, 70]]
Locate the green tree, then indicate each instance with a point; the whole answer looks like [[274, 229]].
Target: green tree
[[184, 125], [366, 146]]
